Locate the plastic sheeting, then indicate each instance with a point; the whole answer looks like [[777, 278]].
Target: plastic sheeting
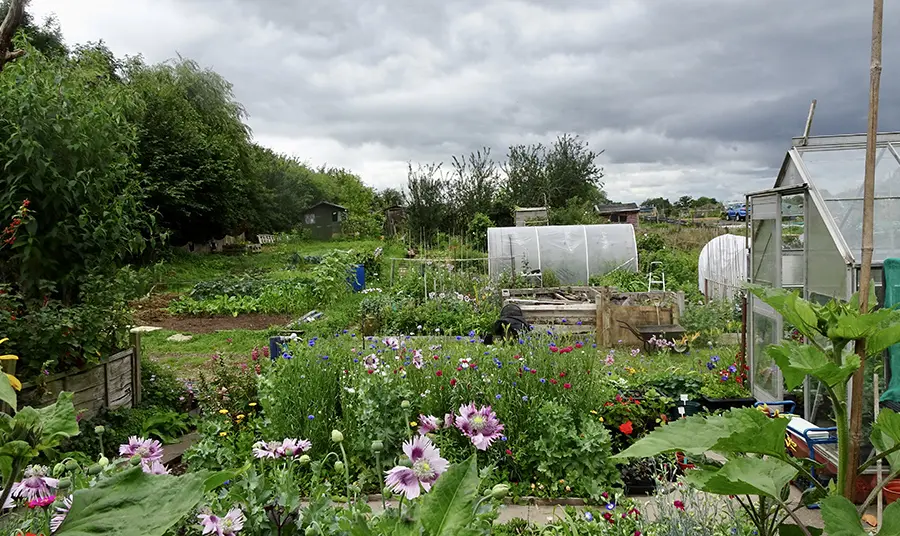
[[573, 253], [722, 266]]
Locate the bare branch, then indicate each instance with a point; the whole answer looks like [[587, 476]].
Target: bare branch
[[8, 27]]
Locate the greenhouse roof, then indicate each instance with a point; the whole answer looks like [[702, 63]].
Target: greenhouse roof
[[833, 168]]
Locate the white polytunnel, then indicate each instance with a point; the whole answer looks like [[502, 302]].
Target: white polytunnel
[[573, 253], [722, 266]]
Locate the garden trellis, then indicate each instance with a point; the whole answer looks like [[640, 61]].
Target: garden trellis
[[805, 234], [573, 253]]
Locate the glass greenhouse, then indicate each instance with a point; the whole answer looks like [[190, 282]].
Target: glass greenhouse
[[805, 233], [573, 253]]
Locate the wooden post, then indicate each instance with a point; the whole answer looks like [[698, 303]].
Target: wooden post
[[865, 275], [135, 338]]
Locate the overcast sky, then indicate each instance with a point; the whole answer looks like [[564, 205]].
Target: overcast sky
[[696, 97]]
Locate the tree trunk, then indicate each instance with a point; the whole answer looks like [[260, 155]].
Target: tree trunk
[[8, 29]]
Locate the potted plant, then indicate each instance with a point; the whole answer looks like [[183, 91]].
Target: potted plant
[[641, 475], [724, 386]]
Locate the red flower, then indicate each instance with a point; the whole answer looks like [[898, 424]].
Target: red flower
[[439, 373], [508, 452], [458, 368], [626, 428], [679, 505], [554, 382], [554, 349], [562, 374], [435, 357], [533, 371], [370, 371], [452, 382], [567, 385], [579, 345], [517, 356]]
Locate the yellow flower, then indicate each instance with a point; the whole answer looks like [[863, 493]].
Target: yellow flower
[[252, 404], [241, 416], [561, 481], [413, 424], [568, 488], [223, 411], [593, 412], [601, 419], [223, 434], [13, 381]]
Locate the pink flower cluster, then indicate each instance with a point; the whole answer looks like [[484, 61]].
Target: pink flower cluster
[[229, 525], [281, 449], [150, 452], [480, 425]]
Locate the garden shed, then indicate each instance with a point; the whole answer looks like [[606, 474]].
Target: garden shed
[[722, 267], [324, 220], [573, 253], [805, 233]]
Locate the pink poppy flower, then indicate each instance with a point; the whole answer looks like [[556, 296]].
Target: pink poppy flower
[[428, 424], [427, 466], [147, 449], [35, 485], [481, 425]]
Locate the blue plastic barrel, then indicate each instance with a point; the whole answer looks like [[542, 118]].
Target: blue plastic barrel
[[357, 278]]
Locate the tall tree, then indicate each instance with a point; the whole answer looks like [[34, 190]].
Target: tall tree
[[46, 38], [536, 175], [194, 149], [472, 186], [425, 200]]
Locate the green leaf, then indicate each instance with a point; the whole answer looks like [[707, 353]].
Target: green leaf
[[852, 326], [217, 479], [745, 476], [739, 430], [794, 530], [885, 337], [795, 310], [448, 509], [7, 393], [133, 503], [890, 524], [885, 435], [58, 421], [797, 360], [841, 518]]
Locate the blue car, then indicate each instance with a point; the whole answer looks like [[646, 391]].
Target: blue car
[[736, 212]]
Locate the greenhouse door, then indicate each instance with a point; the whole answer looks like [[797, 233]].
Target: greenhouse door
[[765, 269]]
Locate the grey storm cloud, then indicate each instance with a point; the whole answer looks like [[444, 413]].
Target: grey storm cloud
[[685, 97]]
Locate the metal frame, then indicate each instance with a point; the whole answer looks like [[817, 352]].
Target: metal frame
[[844, 140]]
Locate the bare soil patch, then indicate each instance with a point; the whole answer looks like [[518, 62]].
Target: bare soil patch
[[153, 312]]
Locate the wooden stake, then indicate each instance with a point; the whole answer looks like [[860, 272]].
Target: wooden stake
[[865, 273]]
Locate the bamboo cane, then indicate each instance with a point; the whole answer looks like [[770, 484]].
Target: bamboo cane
[[856, 400]]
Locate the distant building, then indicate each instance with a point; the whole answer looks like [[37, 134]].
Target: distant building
[[532, 216], [324, 220], [620, 213]]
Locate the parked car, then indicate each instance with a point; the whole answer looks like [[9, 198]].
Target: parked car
[[736, 212]]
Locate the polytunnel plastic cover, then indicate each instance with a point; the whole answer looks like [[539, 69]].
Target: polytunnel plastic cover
[[573, 253], [722, 266]]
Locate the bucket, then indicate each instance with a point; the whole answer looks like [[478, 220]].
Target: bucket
[[891, 491], [357, 277]]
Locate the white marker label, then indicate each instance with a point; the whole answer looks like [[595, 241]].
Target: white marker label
[[684, 398], [681, 410]]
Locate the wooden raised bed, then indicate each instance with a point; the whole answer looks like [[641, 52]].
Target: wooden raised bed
[[597, 310], [114, 382]]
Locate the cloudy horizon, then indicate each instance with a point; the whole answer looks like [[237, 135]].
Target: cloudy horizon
[[697, 97]]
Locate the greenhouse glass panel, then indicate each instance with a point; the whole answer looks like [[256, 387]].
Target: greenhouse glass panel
[[572, 253], [826, 269], [763, 254], [767, 382]]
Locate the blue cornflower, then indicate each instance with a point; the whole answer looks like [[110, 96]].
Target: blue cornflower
[[710, 365], [499, 396], [310, 417], [578, 324], [286, 355], [724, 377], [345, 332], [472, 333], [525, 398], [610, 506], [487, 353], [732, 368], [502, 438], [355, 360], [526, 369], [353, 335], [588, 516], [715, 359], [521, 341], [325, 358], [564, 320], [459, 337], [543, 380]]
